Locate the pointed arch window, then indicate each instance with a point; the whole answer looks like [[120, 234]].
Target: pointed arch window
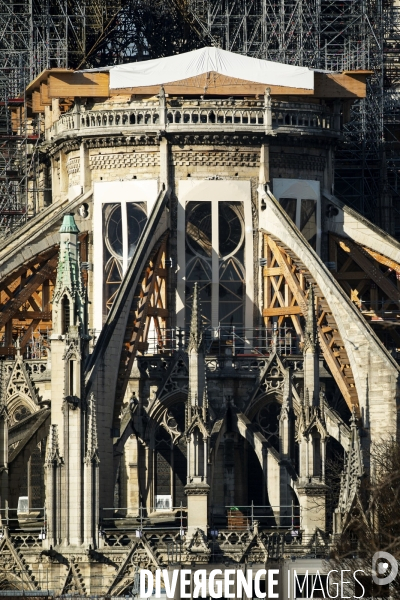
[[170, 463], [267, 419], [123, 225], [215, 245]]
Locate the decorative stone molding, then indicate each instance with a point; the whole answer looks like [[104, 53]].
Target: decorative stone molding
[[219, 158], [124, 160]]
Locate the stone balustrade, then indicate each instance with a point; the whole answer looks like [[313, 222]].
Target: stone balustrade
[[183, 116]]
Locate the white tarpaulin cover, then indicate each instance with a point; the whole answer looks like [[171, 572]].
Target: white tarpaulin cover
[[190, 64]]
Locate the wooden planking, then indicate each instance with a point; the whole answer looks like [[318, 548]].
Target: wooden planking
[[70, 85], [212, 83], [43, 76], [341, 85], [325, 86]]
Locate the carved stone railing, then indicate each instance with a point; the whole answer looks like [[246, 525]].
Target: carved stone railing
[[185, 116]]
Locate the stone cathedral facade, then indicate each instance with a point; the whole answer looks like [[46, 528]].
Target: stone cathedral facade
[[193, 330]]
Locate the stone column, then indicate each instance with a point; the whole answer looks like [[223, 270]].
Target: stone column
[[3, 464], [197, 496], [85, 173]]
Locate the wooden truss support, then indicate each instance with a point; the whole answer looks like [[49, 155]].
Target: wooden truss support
[[148, 313], [26, 299], [370, 270], [285, 269], [375, 289]]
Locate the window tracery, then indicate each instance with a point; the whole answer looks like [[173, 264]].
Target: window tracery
[[267, 420], [123, 225], [215, 239], [170, 456]]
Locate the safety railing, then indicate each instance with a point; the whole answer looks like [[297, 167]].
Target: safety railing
[[228, 341], [142, 518], [252, 517]]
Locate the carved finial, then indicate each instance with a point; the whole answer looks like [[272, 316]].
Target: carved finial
[[53, 446], [196, 327], [310, 332], [18, 347]]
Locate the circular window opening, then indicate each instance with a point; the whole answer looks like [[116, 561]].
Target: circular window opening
[[21, 413], [230, 229]]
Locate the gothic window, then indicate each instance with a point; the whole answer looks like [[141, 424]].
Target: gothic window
[[170, 459], [123, 225], [215, 260], [163, 462], [300, 199], [36, 466], [199, 255], [20, 413], [268, 421], [308, 221], [289, 206]]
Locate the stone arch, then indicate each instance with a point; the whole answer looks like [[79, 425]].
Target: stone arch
[[27, 444], [15, 402]]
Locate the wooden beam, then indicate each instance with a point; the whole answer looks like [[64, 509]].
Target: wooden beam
[[373, 271], [337, 368], [43, 76], [40, 259], [27, 335], [37, 106], [272, 271], [33, 314], [23, 295], [351, 275], [72, 85], [289, 276], [383, 260], [44, 94], [282, 311]]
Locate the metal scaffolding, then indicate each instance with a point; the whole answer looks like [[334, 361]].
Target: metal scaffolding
[[36, 35], [332, 35]]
